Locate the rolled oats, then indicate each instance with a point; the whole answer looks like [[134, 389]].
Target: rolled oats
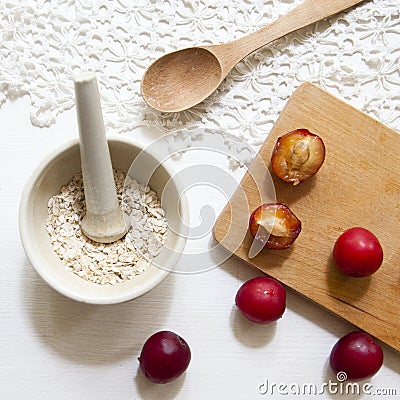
[[107, 264]]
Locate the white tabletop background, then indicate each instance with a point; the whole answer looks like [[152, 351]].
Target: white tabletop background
[[55, 348]]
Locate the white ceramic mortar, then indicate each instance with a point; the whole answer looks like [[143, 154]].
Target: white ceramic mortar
[[56, 170]]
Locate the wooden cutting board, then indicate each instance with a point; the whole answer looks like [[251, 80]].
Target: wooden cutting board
[[358, 185]]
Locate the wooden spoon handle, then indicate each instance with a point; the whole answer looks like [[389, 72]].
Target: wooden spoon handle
[[308, 12]]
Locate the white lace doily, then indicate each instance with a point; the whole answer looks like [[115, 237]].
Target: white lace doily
[[354, 55]]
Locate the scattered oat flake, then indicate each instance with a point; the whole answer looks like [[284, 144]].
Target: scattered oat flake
[[111, 263]]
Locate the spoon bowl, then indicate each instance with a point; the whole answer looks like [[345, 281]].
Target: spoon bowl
[[165, 84], [184, 78]]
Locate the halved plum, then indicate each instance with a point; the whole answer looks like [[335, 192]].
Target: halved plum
[[297, 156], [274, 225]]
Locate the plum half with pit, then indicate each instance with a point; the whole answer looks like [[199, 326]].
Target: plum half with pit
[[274, 225], [297, 156]]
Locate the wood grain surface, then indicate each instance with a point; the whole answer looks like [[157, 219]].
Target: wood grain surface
[[358, 185]]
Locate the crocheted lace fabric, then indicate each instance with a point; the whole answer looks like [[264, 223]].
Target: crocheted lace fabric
[[354, 55]]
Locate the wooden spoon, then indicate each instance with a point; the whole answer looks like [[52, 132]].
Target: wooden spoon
[[182, 79]]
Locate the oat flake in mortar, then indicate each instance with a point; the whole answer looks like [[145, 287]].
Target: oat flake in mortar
[[109, 263]]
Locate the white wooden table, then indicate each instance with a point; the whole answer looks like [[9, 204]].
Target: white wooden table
[[55, 348]]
